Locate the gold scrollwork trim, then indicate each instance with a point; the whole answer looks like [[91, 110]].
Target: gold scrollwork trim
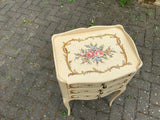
[[74, 72]]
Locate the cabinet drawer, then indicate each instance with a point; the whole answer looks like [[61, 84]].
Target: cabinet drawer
[[84, 91], [115, 83], [84, 85], [84, 97]]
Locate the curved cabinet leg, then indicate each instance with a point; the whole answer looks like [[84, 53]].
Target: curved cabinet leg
[[115, 95], [66, 103]]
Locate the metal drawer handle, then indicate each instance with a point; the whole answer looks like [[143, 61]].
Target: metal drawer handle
[[100, 92], [104, 86]]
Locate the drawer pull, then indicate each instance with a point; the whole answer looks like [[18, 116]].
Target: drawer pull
[[70, 86], [104, 86], [98, 96], [73, 96], [100, 92], [74, 92]]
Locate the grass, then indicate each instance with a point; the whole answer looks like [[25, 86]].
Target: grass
[[71, 0], [27, 61], [10, 103], [133, 36], [26, 110], [11, 66], [138, 17], [42, 89], [18, 53], [92, 23], [64, 112], [70, 26], [148, 13], [123, 2], [155, 28], [94, 9], [45, 2], [144, 79], [8, 77], [131, 97], [25, 21]]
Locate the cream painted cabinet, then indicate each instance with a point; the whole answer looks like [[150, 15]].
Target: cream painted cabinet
[[94, 62]]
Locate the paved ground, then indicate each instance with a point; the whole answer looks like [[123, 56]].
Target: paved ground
[[28, 85]]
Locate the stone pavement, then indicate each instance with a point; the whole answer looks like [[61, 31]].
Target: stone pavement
[[28, 85]]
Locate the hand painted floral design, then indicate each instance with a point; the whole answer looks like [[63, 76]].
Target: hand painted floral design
[[93, 53]]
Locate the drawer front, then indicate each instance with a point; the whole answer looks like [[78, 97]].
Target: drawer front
[[84, 85], [109, 91], [114, 83], [83, 97], [84, 91]]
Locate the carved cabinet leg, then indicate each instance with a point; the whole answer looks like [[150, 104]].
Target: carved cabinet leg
[[115, 95], [66, 103]]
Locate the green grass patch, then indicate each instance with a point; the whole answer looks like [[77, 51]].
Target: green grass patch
[[8, 77], [123, 2], [64, 112], [137, 17], [144, 79]]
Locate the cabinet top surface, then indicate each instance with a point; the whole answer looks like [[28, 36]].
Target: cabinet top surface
[[95, 54]]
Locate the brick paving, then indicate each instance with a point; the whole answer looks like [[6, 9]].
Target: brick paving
[[28, 85]]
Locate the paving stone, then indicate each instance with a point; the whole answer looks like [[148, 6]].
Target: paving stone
[[41, 21], [102, 116], [41, 78], [10, 52], [140, 83], [129, 109], [6, 9], [154, 78], [116, 112], [62, 112], [21, 115], [4, 82], [52, 76], [156, 44], [144, 117], [156, 57], [156, 70], [8, 93], [44, 63], [143, 101], [37, 112], [155, 111], [27, 83], [99, 105], [53, 87], [155, 94], [131, 92], [8, 110], [3, 18], [36, 42], [140, 38], [23, 102], [40, 95], [47, 51], [5, 64], [19, 60], [52, 107], [79, 110], [16, 74], [35, 52], [147, 59], [30, 67]]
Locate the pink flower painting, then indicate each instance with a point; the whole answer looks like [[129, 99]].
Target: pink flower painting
[[94, 53]]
